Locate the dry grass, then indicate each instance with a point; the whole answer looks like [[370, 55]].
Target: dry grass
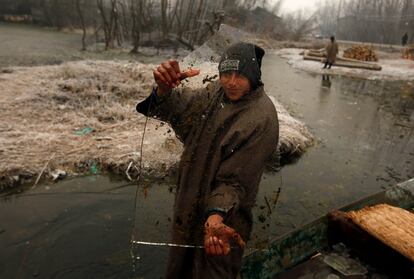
[[42, 110]]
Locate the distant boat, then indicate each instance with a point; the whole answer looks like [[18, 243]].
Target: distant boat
[[314, 247]]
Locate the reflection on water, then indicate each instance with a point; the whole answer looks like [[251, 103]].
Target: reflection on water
[[80, 228], [326, 81]]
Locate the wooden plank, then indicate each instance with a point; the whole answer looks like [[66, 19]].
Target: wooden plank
[[347, 64], [322, 54]]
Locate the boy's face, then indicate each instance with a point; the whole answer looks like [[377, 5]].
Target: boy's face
[[235, 85]]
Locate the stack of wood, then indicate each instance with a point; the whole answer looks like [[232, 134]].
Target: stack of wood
[[382, 234], [408, 52], [393, 226], [320, 55], [361, 52]]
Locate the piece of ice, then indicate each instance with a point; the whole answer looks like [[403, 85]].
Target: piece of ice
[[345, 265]]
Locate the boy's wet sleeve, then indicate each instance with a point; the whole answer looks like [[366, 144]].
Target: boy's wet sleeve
[[240, 171], [179, 108], [144, 107], [168, 106]]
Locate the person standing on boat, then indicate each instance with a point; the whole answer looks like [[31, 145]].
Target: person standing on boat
[[332, 50], [229, 130]]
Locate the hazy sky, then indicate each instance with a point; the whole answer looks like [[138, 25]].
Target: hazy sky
[[293, 5]]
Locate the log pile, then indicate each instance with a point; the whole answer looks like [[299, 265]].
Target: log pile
[[362, 53], [320, 55], [392, 225], [408, 52], [377, 230]]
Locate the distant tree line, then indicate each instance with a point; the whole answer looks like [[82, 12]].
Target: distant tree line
[[377, 21], [150, 22], [190, 22]]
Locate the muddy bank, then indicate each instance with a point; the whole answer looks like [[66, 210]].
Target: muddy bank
[[80, 117], [393, 67]]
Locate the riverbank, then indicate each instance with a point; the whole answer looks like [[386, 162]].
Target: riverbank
[[79, 117], [31, 45]]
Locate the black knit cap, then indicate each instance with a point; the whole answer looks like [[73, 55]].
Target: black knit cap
[[245, 58]]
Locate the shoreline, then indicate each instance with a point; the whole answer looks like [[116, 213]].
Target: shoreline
[[393, 69], [83, 113]]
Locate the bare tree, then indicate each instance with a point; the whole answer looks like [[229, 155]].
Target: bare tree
[[381, 21], [136, 12], [299, 25], [189, 22], [106, 24], [197, 21], [229, 3], [82, 20], [164, 18], [110, 22]]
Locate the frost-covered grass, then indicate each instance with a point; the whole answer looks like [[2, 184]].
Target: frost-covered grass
[[82, 115]]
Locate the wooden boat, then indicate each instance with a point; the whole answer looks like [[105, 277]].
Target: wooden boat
[[286, 256]]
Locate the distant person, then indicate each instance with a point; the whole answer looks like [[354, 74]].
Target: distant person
[[404, 39], [332, 50]]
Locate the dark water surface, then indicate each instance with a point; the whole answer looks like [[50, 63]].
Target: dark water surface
[[29, 45], [365, 139], [81, 228]]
